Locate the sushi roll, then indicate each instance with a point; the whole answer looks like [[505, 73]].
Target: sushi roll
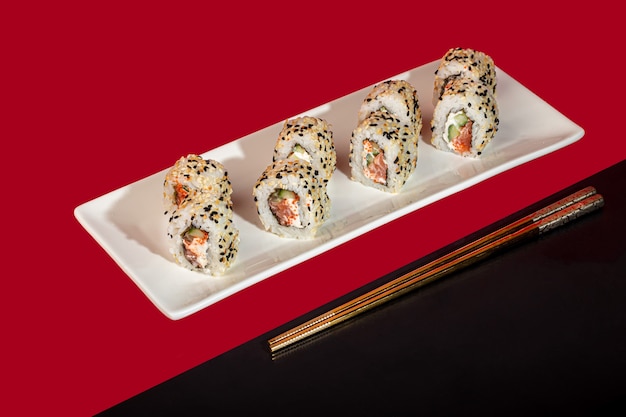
[[309, 139], [202, 235], [399, 98], [192, 175], [291, 200], [464, 63], [383, 152], [197, 199], [465, 118]]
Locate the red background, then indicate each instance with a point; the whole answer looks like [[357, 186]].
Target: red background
[[99, 95]]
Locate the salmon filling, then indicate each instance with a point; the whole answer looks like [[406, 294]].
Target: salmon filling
[[196, 246], [284, 206], [459, 131], [180, 193], [374, 164]]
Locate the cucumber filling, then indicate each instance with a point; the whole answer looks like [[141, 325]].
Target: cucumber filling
[[458, 131], [455, 123]]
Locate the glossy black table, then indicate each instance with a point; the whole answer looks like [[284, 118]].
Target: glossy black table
[[539, 329]]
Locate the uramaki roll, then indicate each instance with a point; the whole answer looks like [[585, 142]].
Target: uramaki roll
[[465, 118], [309, 139], [383, 152], [197, 199], [202, 235], [464, 63], [192, 175], [291, 200], [399, 98]]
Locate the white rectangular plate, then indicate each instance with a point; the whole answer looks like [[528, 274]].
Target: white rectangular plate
[[129, 222]]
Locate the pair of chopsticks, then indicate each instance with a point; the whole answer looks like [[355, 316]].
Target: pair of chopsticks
[[535, 224]]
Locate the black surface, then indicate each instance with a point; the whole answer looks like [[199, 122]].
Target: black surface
[[537, 330]]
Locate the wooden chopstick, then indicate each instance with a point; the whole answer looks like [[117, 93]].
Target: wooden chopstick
[[547, 218]]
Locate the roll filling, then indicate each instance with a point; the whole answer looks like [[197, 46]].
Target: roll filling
[[284, 206], [196, 247], [299, 152], [374, 165], [459, 131]]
